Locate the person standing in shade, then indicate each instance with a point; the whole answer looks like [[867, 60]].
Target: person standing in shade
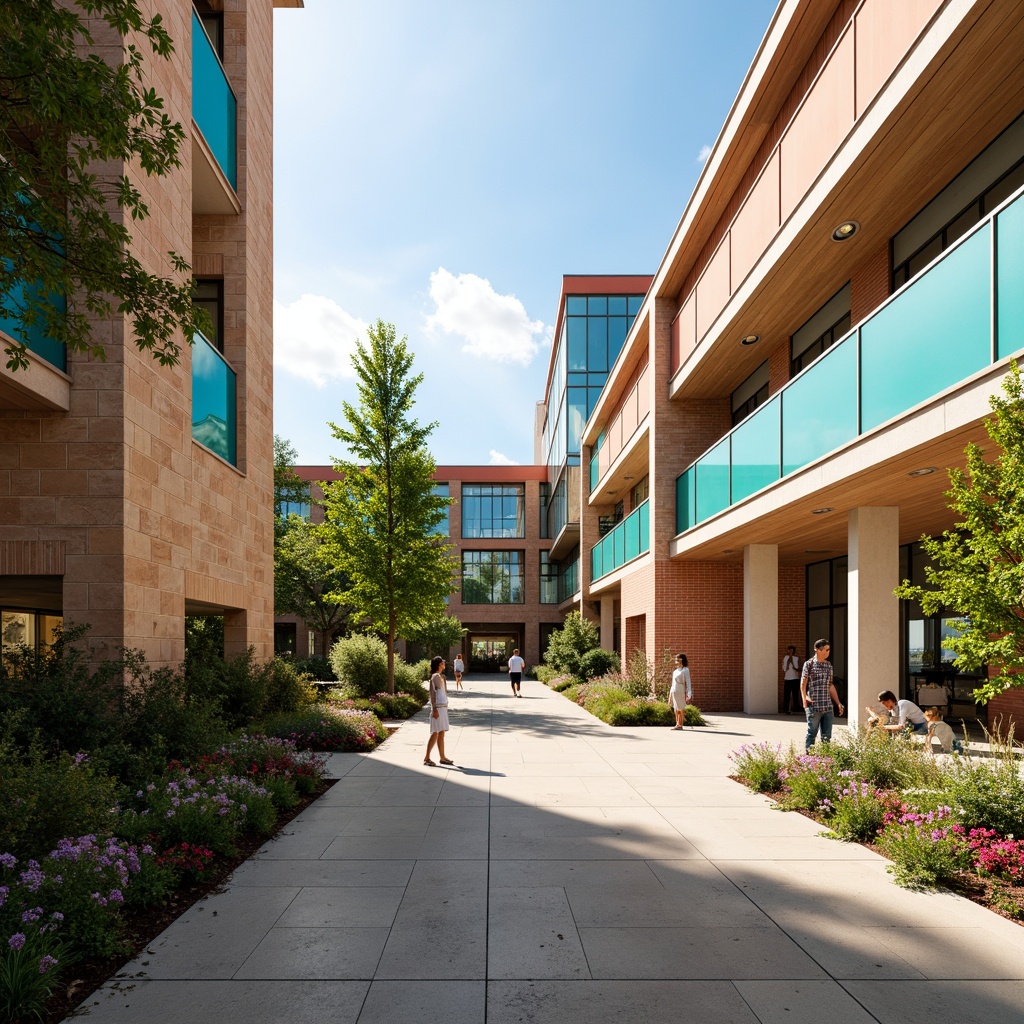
[[515, 672], [438, 712], [459, 669], [790, 682], [818, 693], [681, 690]]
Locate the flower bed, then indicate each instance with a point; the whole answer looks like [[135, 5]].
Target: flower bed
[[942, 822]]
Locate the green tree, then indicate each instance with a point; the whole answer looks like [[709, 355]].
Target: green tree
[[438, 635], [306, 577], [383, 513], [978, 566], [64, 114], [568, 645]]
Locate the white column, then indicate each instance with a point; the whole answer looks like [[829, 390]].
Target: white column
[[608, 623], [760, 629], [873, 654]]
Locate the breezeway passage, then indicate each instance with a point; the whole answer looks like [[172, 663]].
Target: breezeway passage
[[564, 872]]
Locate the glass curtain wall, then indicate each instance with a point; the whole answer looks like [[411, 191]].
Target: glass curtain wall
[[827, 614]]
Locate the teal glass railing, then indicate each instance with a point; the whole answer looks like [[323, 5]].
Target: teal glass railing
[[34, 335], [595, 473], [214, 412], [214, 107], [934, 333], [569, 581], [630, 539]]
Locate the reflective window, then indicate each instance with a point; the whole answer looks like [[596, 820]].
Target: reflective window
[[548, 580], [441, 491], [493, 510], [492, 577]]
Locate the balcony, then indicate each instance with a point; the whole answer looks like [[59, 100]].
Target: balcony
[[960, 315], [630, 539], [620, 431], [214, 130], [214, 413], [44, 383]]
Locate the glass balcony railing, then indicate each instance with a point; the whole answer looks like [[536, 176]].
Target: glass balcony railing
[[214, 107], [630, 539], [569, 581], [214, 414], [35, 336], [934, 333]]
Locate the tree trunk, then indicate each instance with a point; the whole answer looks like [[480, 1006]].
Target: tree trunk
[[391, 652]]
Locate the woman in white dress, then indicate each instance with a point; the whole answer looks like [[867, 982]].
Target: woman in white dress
[[438, 712], [681, 690]]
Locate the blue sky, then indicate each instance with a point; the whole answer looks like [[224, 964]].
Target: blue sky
[[441, 165]]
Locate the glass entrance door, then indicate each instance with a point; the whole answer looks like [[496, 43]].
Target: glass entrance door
[[490, 653]]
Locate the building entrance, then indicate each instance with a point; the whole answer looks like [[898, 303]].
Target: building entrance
[[490, 653]]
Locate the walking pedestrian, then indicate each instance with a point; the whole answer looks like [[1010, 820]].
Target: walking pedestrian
[[515, 672], [818, 692], [438, 712]]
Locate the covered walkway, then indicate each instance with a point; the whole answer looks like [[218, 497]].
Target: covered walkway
[[566, 872]]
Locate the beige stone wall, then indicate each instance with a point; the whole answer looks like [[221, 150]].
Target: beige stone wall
[[145, 519]]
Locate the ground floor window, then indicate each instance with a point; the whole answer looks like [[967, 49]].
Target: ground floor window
[[20, 628], [827, 614]]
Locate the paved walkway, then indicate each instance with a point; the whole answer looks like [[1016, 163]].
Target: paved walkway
[[567, 872]]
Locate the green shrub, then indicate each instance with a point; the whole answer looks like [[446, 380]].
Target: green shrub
[[597, 662], [809, 779], [317, 667], [31, 961], [545, 673], [408, 679], [287, 689], [46, 799], [693, 716], [640, 711], [986, 794], [324, 727], [561, 684], [360, 664], [760, 766], [857, 811], [926, 850], [886, 760], [566, 646]]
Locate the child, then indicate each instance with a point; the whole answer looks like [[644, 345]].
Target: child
[[877, 716], [939, 732]]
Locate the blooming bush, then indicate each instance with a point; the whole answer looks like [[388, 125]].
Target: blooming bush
[[187, 860], [325, 727], [760, 765], [926, 850], [807, 781], [995, 856], [30, 961], [857, 811]]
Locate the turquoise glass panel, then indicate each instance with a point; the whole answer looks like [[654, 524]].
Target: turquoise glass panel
[[713, 481], [576, 305], [618, 537], [819, 408], [643, 514], [213, 401], [936, 333], [627, 541], [686, 500], [35, 336], [214, 107], [631, 537], [594, 477], [757, 450], [1010, 278]]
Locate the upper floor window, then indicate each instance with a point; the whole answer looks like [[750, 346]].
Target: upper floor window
[[548, 580], [441, 491], [820, 332], [493, 510], [492, 577], [749, 395], [208, 293]]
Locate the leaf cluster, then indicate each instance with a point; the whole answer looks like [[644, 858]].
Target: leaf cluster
[[69, 122]]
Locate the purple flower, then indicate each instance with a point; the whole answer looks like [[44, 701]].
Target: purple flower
[[46, 963], [16, 941], [7, 860]]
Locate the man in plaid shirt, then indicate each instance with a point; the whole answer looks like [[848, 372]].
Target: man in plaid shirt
[[818, 692]]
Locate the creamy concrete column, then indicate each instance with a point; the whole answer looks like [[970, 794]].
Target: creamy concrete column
[[608, 623], [873, 655], [760, 629]]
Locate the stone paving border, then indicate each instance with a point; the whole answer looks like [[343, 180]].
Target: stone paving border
[[566, 871]]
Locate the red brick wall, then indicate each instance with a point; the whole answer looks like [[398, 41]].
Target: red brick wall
[[869, 284]]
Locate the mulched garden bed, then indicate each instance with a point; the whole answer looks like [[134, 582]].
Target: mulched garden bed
[[143, 926]]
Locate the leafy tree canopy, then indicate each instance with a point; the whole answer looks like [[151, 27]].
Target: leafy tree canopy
[[289, 487], [978, 566], [383, 513], [568, 645], [438, 635], [65, 116]]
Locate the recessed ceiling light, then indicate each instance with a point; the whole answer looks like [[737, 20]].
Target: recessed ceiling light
[[750, 339], [820, 511], [816, 551], [729, 551], [845, 230], [627, 478], [926, 471]]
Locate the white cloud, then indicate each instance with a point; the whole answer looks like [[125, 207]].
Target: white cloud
[[314, 339], [702, 156], [497, 459], [493, 326]]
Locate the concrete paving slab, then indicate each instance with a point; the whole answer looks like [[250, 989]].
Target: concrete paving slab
[[966, 1002], [220, 1002], [531, 934], [296, 845], [343, 907], [702, 953], [946, 953], [300, 873], [605, 1002], [316, 953], [412, 1002], [518, 874], [802, 1002], [439, 847]]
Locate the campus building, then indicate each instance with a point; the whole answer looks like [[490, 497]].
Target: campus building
[[133, 494], [842, 295], [506, 591]]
